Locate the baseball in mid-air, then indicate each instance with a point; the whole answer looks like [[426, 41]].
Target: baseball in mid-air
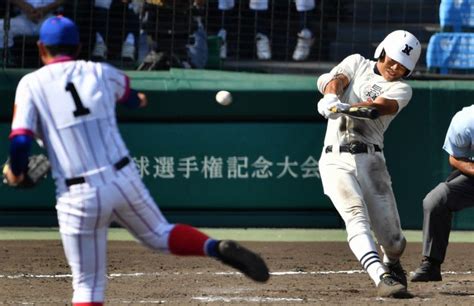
[[224, 97]]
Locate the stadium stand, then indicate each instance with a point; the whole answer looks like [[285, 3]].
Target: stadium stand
[[340, 27], [456, 15], [451, 50], [366, 23], [355, 26]]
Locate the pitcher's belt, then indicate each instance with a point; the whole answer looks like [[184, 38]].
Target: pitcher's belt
[[80, 179], [354, 148]]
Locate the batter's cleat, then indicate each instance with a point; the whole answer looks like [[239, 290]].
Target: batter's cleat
[[252, 265], [391, 286], [429, 271], [397, 270]]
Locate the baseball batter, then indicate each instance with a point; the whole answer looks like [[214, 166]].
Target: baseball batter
[[70, 105], [352, 163], [455, 194]]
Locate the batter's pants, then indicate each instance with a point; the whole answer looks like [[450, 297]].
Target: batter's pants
[[455, 194], [360, 188]]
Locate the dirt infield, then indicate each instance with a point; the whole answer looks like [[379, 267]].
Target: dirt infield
[[35, 273]]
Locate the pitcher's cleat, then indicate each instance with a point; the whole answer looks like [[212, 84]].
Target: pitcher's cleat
[[249, 263]]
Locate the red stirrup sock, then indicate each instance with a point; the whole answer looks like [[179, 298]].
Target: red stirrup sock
[[186, 240], [88, 304]]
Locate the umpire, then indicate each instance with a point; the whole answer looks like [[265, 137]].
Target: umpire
[[455, 194]]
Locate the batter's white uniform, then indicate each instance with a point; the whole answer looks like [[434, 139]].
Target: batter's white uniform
[[359, 185], [261, 5], [21, 25], [71, 106]]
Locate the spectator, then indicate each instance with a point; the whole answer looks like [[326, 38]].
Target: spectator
[[264, 52], [28, 21], [115, 20], [175, 34]]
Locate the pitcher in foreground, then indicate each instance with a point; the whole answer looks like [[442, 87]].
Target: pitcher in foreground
[[70, 105]]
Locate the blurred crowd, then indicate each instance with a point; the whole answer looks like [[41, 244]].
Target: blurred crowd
[[152, 33]]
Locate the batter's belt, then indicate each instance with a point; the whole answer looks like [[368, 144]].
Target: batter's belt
[[80, 179], [354, 147]]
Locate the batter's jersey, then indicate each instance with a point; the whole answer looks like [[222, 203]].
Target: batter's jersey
[[459, 140], [364, 84], [70, 105]]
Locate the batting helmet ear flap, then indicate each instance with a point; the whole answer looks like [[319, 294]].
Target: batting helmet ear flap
[[379, 52], [381, 56]]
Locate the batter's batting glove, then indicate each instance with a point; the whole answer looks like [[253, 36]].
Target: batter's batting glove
[[335, 108], [323, 104]]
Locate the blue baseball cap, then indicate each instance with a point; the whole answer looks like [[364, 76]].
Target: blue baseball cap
[[59, 30]]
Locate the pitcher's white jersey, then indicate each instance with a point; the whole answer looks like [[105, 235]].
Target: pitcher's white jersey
[[70, 105], [364, 84]]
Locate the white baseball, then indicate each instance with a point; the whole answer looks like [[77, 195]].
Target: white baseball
[[224, 97]]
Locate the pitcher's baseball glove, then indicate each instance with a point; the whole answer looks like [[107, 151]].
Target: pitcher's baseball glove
[[38, 167]]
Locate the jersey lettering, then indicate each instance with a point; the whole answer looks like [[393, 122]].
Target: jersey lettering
[[80, 109]]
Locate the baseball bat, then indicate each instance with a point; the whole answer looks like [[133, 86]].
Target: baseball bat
[[363, 112]]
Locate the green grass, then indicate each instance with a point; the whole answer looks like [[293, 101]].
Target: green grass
[[253, 234]]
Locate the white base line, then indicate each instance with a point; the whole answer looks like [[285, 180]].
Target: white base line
[[257, 299], [280, 273]]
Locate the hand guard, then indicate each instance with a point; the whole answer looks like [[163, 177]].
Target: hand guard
[[38, 168]]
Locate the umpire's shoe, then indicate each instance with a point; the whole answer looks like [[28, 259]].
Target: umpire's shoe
[[429, 271], [244, 260], [391, 286], [397, 270]]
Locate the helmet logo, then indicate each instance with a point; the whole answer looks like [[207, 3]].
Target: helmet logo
[[407, 49]]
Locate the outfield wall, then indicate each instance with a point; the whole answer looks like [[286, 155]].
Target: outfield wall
[[253, 163]]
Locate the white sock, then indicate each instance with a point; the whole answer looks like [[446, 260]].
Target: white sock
[[364, 249]]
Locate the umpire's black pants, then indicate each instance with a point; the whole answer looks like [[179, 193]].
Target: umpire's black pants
[[455, 194]]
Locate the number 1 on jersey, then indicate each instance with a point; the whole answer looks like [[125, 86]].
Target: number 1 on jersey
[[80, 109]]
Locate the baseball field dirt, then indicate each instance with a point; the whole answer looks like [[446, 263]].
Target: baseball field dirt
[[314, 273]]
